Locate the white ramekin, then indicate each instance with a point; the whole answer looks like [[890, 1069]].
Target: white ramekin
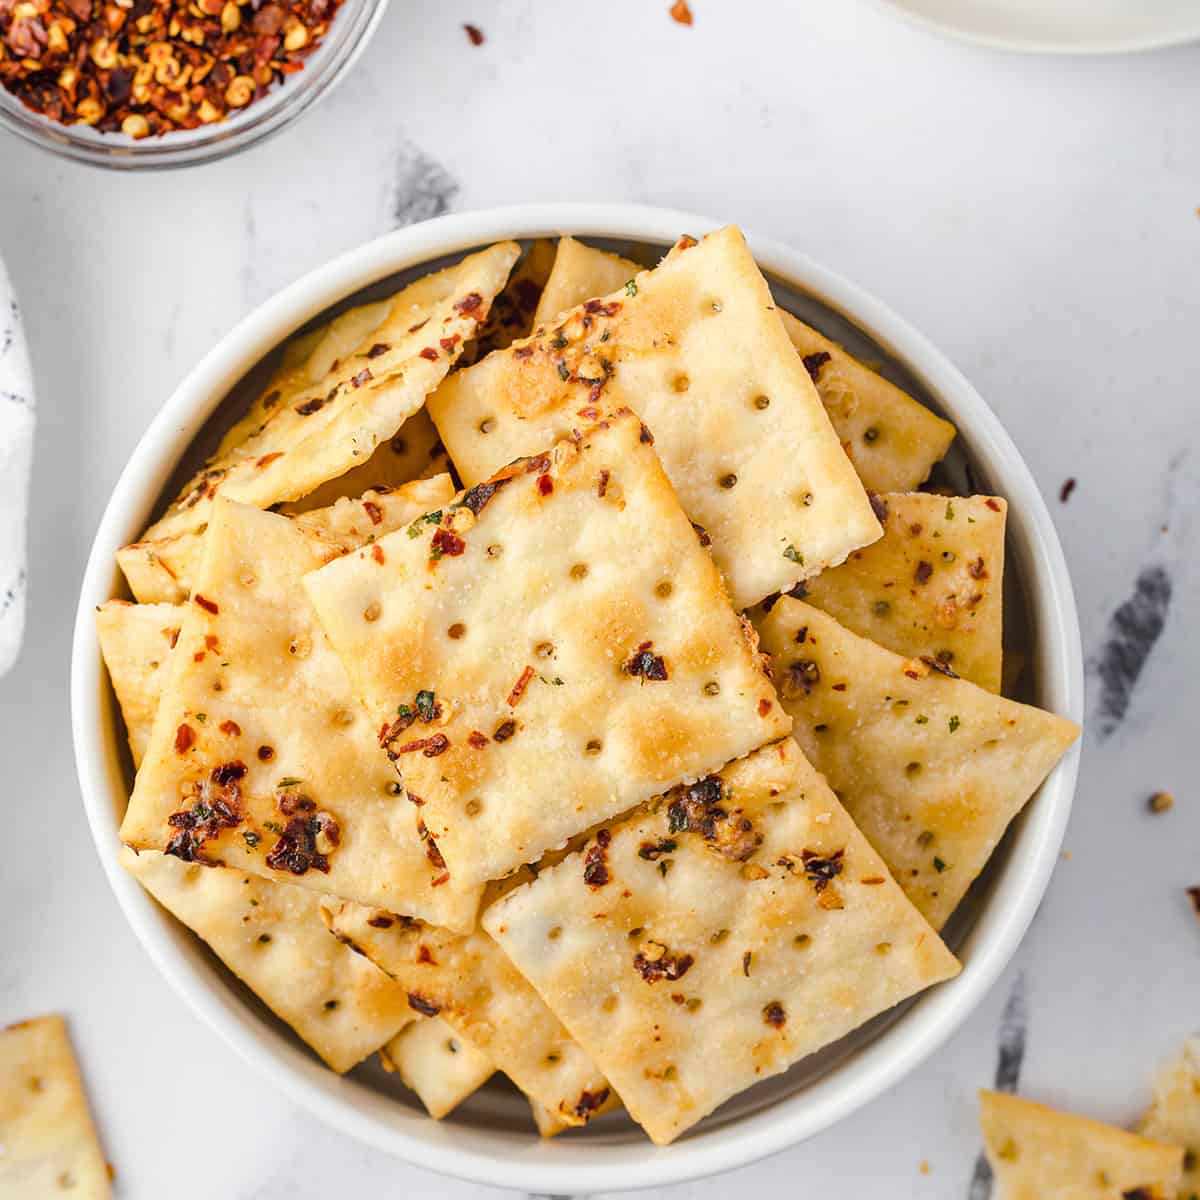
[[486, 1144]]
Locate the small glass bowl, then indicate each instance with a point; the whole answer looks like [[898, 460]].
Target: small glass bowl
[[349, 32]]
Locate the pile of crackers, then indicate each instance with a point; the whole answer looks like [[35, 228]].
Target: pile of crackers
[[559, 671]]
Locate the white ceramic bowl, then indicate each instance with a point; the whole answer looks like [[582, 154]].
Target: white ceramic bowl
[[490, 1139]]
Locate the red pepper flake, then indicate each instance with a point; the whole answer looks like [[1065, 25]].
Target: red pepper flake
[[432, 852], [537, 466], [523, 352], [364, 376], [545, 485], [681, 13], [602, 483], [686, 242], [774, 1015], [426, 1008], [1064, 492], [602, 308], [656, 962], [478, 497], [764, 707], [702, 534], [976, 569], [469, 304], [595, 861], [645, 436], [504, 731], [813, 364], [448, 343], [878, 506], [589, 1102], [205, 603], [418, 326], [373, 511], [518, 688], [185, 739], [231, 729], [923, 572], [377, 553], [474, 34], [425, 956], [172, 636], [430, 353], [380, 921], [430, 747], [446, 542], [477, 740], [267, 459], [198, 656], [646, 664], [992, 503]]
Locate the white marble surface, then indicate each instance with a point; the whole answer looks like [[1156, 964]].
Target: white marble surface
[[1036, 218]]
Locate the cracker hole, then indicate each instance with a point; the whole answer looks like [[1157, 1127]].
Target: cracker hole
[[553, 1057], [330, 1005], [711, 307], [66, 1181], [399, 445], [871, 435], [681, 383], [883, 947], [393, 788], [300, 646], [635, 933], [371, 612], [806, 499], [544, 649], [594, 746], [487, 425], [802, 941], [761, 402], [451, 1046], [456, 631], [473, 807], [495, 550], [264, 939], [343, 717], [728, 481], [579, 571], [712, 688], [36, 1084], [266, 753], [913, 768], [555, 933], [609, 1003], [247, 579], [664, 589]]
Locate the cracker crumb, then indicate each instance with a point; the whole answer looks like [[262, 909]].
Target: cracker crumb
[[474, 34], [1064, 492], [1066, 856], [925, 1167], [1160, 802], [1194, 896]]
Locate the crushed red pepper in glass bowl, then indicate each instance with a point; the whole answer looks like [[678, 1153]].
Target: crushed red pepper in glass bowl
[[129, 83]]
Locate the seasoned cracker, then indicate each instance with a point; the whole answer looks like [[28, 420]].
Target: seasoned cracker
[[512, 314], [1174, 1116], [327, 428], [166, 569], [717, 937], [695, 347], [1038, 1154], [573, 643], [414, 452], [892, 440], [272, 937], [933, 584], [260, 756], [468, 982], [48, 1144], [136, 641], [931, 768], [581, 273], [440, 1065]]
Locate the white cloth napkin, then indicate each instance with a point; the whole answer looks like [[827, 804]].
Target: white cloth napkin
[[16, 456]]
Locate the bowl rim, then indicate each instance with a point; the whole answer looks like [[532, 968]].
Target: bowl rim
[[573, 1166]]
